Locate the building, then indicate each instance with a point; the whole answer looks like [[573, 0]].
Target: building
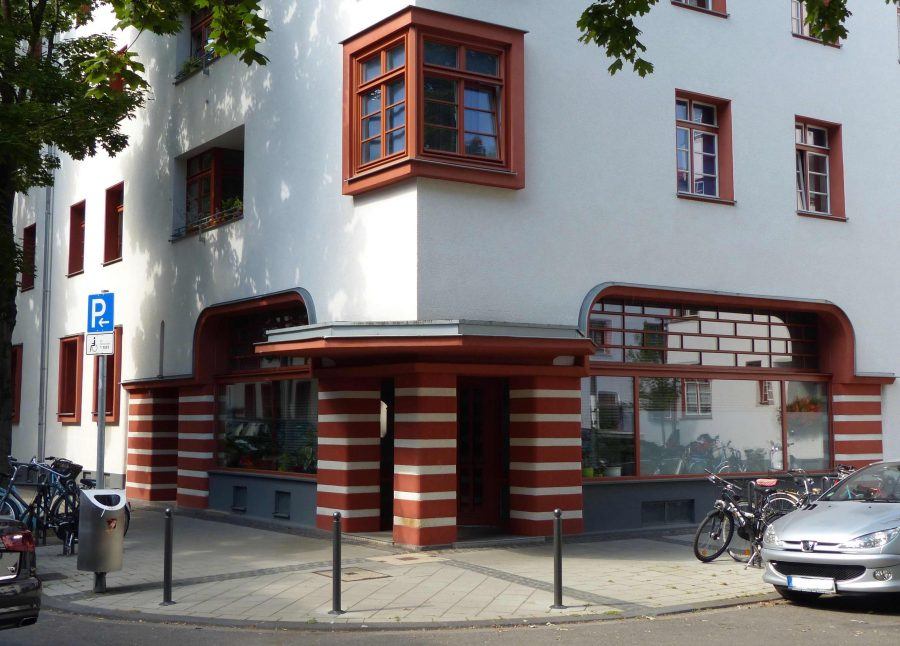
[[434, 268]]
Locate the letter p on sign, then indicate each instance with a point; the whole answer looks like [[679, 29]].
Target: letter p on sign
[[100, 313]]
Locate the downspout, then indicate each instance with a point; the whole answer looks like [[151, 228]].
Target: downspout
[[45, 314]]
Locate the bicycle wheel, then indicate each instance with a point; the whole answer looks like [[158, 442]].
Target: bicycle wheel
[[713, 536], [740, 547], [10, 509], [778, 504], [63, 516]]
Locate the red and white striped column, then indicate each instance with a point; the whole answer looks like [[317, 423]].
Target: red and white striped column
[[856, 413], [151, 462], [544, 454], [349, 454], [196, 444], [425, 459]]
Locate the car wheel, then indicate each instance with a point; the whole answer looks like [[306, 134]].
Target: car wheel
[[800, 598]]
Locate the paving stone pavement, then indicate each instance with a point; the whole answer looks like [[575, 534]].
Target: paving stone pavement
[[225, 572]]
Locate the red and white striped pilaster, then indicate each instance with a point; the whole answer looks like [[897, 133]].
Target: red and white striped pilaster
[[425, 459], [856, 413], [349, 454], [196, 444], [151, 462], [544, 454]]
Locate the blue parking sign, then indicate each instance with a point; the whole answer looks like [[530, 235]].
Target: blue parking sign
[[100, 313]]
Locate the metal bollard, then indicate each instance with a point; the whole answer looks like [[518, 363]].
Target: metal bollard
[[167, 561], [336, 565], [557, 561], [99, 582]]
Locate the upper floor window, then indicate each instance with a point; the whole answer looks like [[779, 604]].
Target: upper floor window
[[76, 239], [114, 225], [29, 248], [799, 24], [710, 6], [214, 190], [443, 100], [199, 53], [703, 147], [819, 169]]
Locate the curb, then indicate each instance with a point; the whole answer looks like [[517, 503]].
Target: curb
[[66, 607]]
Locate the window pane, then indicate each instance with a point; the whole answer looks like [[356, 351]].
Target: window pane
[[682, 138], [684, 182], [396, 92], [817, 137], [691, 425], [481, 97], [704, 114], [440, 54], [705, 186], [682, 160], [440, 88], [481, 145], [482, 62], [371, 150], [395, 57], [681, 110], [371, 101], [708, 166], [440, 114], [440, 139], [704, 142], [477, 121], [818, 163], [818, 183], [371, 126], [396, 116], [396, 141], [818, 202], [607, 427], [806, 416], [799, 134], [371, 68]]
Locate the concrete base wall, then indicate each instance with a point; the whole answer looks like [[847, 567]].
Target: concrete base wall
[[261, 494]]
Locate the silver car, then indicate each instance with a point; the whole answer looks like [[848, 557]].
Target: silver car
[[848, 541]]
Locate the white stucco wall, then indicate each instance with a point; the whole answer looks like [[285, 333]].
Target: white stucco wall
[[599, 204]]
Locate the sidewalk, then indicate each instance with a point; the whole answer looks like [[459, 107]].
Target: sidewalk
[[231, 574]]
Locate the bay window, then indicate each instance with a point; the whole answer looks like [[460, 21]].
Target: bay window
[[433, 95]]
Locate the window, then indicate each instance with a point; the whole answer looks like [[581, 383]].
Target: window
[[29, 248], [703, 147], [76, 239], [69, 394], [113, 381], [710, 6], [433, 95], [600, 335], [114, 225], [201, 25], [214, 190], [15, 367], [673, 334], [800, 26], [697, 397], [819, 169], [766, 393]]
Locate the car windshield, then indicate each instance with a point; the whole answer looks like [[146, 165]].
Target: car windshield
[[875, 483]]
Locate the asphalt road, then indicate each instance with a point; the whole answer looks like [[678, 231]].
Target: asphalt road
[[855, 620]]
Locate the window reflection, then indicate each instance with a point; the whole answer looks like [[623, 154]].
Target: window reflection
[[607, 427], [806, 418]]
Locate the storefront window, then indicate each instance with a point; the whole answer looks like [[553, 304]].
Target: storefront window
[[688, 425], [268, 425], [806, 415], [607, 427]]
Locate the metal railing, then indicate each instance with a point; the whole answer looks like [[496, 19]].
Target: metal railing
[[207, 222]]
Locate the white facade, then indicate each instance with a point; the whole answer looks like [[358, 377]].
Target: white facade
[[599, 203]]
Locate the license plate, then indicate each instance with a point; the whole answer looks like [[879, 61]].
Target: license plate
[[810, 584]]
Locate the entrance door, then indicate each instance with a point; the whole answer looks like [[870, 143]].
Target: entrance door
[[481, 468]]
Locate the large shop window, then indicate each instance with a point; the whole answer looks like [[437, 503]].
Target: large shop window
[[772, 416], [433, 95], [269, 425]]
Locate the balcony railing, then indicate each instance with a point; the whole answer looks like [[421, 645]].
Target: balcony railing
[[206, 223]]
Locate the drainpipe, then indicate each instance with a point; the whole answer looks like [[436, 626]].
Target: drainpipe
[[46, 277]]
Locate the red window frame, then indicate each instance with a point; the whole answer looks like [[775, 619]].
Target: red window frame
[[114, 224], [835, 155], [16, 382], [413, 26], [724, 151], [76, 238], [113, 381], [29, 253], [715, 8], [68, 406], [221, 167], [201, 24]]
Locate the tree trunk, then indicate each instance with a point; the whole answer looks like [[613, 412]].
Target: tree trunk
[[8, 291]]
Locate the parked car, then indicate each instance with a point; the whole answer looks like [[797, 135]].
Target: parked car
[[848, 541], [20, 588]]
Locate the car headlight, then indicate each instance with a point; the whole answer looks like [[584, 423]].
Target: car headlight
[[871, 541], [770, 538]]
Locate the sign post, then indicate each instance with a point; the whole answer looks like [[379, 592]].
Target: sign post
[[100, 342]]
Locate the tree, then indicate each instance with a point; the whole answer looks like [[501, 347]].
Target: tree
[[66, 87], [610, 25]]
